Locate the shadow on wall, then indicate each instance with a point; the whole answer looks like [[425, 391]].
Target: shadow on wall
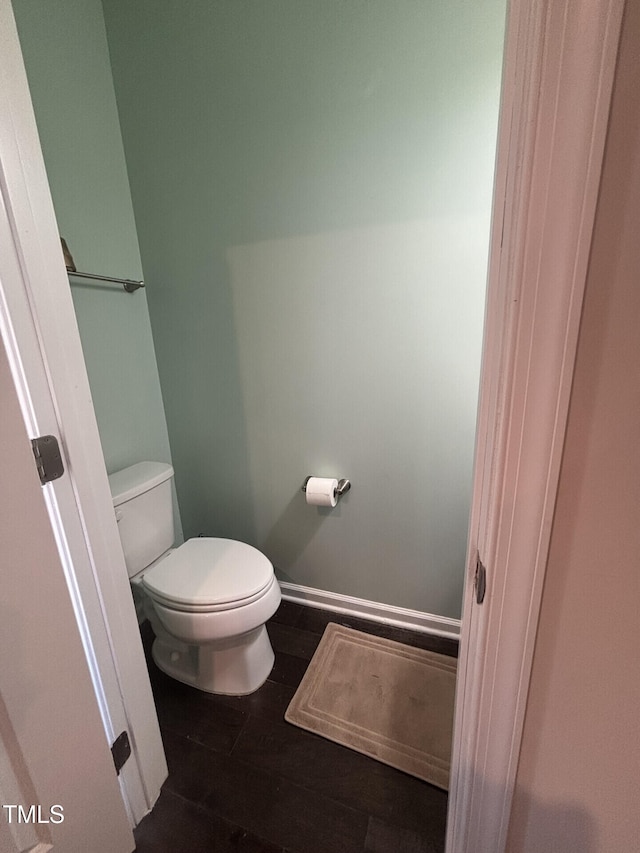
[[353, 362], [538, 826], [293, 531]]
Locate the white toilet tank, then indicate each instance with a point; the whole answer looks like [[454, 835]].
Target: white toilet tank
[[144, 512]]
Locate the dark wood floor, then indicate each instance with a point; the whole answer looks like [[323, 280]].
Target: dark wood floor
[[242, 779]]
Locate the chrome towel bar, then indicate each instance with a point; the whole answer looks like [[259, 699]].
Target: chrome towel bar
[[129, 284]]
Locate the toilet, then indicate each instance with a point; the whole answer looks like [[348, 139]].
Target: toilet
[[207, 600]]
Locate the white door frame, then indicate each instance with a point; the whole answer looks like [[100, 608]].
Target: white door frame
[[51, 739], [38, 326], [559, 66]]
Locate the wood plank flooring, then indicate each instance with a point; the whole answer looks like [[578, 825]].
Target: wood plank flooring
[[241, 779]]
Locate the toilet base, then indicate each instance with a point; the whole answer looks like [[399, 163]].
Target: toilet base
[[235, 666]]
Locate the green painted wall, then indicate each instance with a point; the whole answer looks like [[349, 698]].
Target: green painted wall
[[66, 56], [312, 188]]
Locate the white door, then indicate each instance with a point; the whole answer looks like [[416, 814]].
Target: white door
[[58, 785]]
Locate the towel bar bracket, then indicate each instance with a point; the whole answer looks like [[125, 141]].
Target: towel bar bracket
[[130, 285]]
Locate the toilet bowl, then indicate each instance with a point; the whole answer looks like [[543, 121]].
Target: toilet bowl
[[213, 596], [207, 600]]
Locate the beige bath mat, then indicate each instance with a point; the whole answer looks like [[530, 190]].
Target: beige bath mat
[[387, 700]]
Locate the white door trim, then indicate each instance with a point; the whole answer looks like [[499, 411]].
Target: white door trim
[[559, 66], [38, 325], [51, 735]]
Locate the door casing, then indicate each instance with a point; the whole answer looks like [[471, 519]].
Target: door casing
[[559, 65]]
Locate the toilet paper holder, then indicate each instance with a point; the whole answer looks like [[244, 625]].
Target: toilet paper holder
[[341, 489]]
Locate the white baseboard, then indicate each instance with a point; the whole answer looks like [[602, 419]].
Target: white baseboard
[[414, 620]]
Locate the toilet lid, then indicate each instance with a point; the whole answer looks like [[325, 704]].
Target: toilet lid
[[209, 573]]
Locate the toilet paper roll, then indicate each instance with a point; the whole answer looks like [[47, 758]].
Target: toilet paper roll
[[321, 491]]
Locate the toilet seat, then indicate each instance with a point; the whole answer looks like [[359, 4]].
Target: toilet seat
[[209, 574]]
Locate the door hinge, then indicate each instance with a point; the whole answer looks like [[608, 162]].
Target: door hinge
[[120, 750], [48, 458], [480, 581]]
